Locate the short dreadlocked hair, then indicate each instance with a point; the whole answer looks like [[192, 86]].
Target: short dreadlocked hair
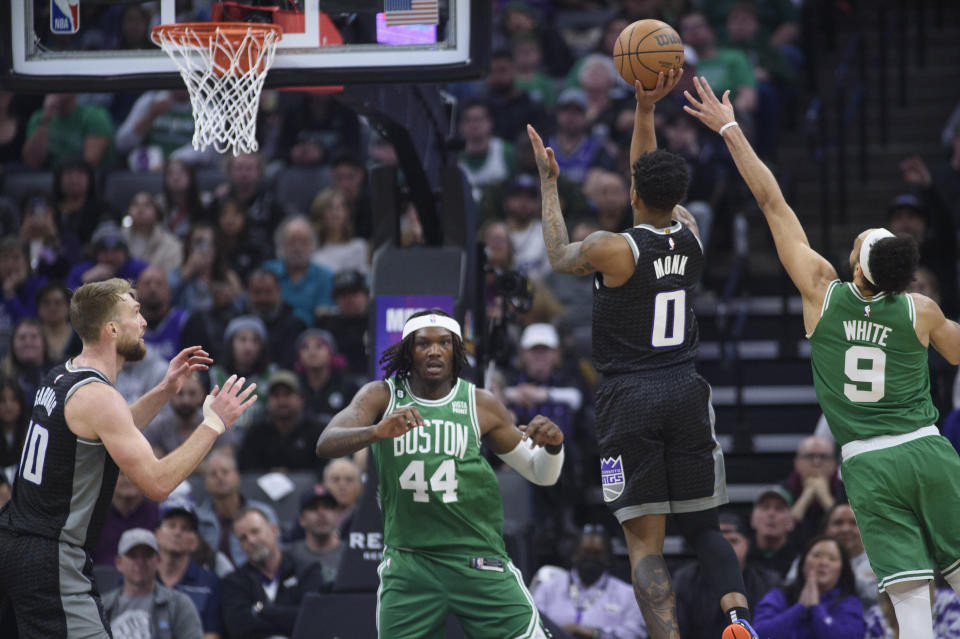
[[893, 262], [398, 359], [660, 179]]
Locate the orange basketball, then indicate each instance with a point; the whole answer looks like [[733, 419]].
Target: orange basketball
[[644, 49], [735, 631]]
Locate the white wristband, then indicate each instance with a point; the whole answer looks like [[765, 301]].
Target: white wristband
[[727, 126], [210, 418], [538, 466]]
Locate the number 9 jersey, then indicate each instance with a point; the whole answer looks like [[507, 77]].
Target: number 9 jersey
[[869, 367], [437, 492]]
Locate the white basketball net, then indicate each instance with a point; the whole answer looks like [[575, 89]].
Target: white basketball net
[[224, 76]]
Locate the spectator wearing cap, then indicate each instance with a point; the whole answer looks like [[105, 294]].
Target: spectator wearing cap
[[337, 247], [773, 547], [814, 485], [282, 437], [511, 108], [319, 513], [698, 615], [110, 259], [304, 285], [576, 149], [521, 207], [348, 324], [262, 597], [325, 387], [142, 607], [485, 158], [176, 540], [128, 509], [246, 352], [264, 299]]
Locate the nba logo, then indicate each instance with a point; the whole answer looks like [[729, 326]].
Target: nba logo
[[866, 311], [64, 16], [611, 477]]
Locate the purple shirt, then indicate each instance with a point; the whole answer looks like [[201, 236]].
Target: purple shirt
[[608, 604], [146, 515], [774, 618]]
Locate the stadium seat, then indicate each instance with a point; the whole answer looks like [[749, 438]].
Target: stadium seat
[[288, 506], [297, 186], [121, 186], [17, 185]]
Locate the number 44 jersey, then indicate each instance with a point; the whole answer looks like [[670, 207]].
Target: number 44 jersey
[[869, 368], [437, 492]]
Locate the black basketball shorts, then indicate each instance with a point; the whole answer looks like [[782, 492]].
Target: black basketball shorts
[[658, 450]]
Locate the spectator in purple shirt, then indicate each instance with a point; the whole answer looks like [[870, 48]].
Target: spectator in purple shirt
[[111, 258], [821, 603], [129, 509]]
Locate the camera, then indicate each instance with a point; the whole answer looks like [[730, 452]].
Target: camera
[[514, 286]]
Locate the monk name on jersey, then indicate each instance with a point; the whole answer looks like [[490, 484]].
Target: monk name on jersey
[[864, 331], [670, 265], [435, 436]]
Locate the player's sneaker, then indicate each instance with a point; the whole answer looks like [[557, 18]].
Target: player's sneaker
[[733, 631]]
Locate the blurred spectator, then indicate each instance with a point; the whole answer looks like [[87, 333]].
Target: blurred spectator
[[246, 354], [587, 601], [511, 109], [207, 327], [575, 148], [262, 597], [606, 94], [181, 201], [326, 389], [111, 258], [571, 291], [609, 194], [771, 520], [337, 248], [239, 252], [935, 232], [282, 437], [350, 178], [135, 379], [814, 484], [247, 186], [940, 185], [160, 126], [26, 361], [943, 374], [305, 286], [14, 420], [53, 311], [348, 324], [204, 263], [134, 29], [698, 615], [79, 210], [164, 322], [485, 158], [821, 603], [64, 130], [12, 131], [128, 509], [518, 18], [522, 209], [146, 237], [316, 127], [528, 68], [19, 284], [264, 300], [52, 253], [168, 430], [609, 33], [176, 536], [142, 607], [342, 479], [216, 515], [778, 19], [321, 543]]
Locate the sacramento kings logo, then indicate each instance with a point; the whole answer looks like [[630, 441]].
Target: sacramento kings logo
[[611, 477]]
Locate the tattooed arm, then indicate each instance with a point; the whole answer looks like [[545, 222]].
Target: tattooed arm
[[608, 253], [357, 425]]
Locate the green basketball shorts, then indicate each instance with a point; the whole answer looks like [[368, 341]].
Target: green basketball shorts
[[906, 499], [417, 592]]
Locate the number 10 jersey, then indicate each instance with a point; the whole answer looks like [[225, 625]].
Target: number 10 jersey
[[869, 367], [437, 492]]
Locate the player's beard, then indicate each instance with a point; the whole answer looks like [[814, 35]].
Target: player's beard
[[132, 349]]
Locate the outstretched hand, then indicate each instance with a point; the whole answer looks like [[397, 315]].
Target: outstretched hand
[[646, 98], [708, 109], [183, 365], [546, 161], [541, 432], [231, 401]]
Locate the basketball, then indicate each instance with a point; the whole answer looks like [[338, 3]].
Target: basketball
[[644, 49], [735, 631]]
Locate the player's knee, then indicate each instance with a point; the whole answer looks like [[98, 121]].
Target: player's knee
[[697, 526]]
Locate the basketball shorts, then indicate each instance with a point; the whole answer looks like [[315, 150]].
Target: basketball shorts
[[417, 592], [658, 450], [48, 586], [906, 499]]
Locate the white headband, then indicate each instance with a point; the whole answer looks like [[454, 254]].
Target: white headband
[[423, 321], [872, 238]]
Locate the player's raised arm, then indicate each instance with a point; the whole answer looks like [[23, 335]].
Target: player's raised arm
[[810, 272], [942, 332], [644, 138], [608, 253]]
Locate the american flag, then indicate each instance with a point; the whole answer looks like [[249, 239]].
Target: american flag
[[410, 12]]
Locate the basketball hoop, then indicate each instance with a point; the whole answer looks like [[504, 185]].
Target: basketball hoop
[[223, 65]]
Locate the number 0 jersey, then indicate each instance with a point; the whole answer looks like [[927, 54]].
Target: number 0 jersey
[[64, 483], [869, 368], [437, 492], [648, 322]]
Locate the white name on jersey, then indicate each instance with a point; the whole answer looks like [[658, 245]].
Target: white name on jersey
[[46, 398], [864, 331], [670, 265], [435, 436]]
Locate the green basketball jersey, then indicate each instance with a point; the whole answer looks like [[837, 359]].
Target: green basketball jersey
[[869, 368], [437, 492]]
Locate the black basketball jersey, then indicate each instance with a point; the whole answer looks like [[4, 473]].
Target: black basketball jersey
[[648, 322], [65, 483]]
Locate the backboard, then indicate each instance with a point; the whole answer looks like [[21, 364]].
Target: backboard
[[104, 45]]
